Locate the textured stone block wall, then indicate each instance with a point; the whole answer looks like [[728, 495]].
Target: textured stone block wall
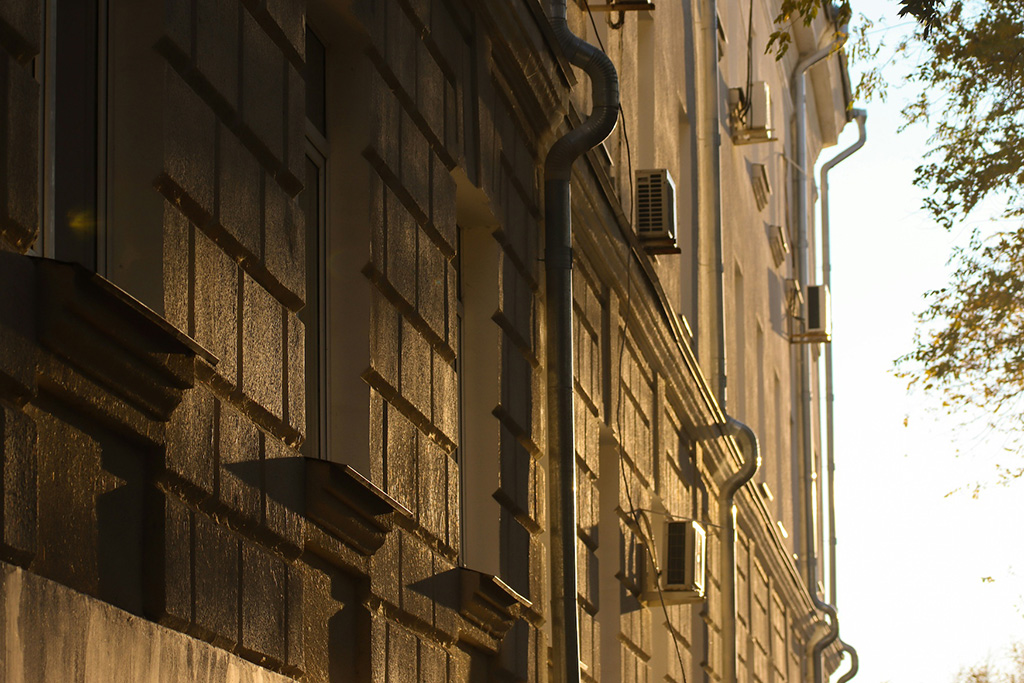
[[436, 108], [228, 517], [175, 515], [651, 471], [413, 324], [779, 636], [414, 336], [743, 608], [588, 319], [759, 610]]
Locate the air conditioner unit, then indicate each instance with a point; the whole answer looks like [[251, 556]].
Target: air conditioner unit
[[681, 559], [656, 211], [819, 313], [756, 126]]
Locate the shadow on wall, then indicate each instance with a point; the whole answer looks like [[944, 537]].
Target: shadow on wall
[[282, 478], [776, 303]]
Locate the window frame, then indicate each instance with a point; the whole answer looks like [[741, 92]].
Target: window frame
[[316, 152]]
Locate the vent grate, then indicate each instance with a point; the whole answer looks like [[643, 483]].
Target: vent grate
[[779, 244], [656, 210], [814, 308], [762, 188], [676, 553]]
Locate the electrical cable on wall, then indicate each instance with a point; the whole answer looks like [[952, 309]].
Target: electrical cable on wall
[[750, 59], [635, 512]]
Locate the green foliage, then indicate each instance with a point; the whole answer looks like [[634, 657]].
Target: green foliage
[[807, 10], [967, 64], [987, 673], [975, 75], [925, 11], [970, 345], [968, 72], [862, 50]]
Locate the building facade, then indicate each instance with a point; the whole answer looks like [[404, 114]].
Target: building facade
[[273, 353]]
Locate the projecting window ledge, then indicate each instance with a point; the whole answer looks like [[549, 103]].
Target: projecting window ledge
[[350, 507], [489, 603], [102, 332]]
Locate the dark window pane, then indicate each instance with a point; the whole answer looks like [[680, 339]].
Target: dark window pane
[[75, 160]]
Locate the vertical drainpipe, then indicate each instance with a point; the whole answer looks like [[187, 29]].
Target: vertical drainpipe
[[740, 431], [803, 277], [558, 321], [716, 176], [747, 441], [860, 116], [826, 266]]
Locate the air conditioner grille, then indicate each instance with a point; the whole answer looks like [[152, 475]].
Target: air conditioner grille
[[676, 573], [650, 205], [819, 324], [676, 553], [762, 188], [656, 210], [779, 244], [813, 308]]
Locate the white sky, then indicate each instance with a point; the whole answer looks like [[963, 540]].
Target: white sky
[[911, 559]]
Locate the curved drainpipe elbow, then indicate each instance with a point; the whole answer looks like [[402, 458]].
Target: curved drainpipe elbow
[[829, 638], [854, 662], [604, 82], [803, 277], [558, 321], [747, 441]]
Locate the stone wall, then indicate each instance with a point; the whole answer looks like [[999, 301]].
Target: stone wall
[[43, 640]]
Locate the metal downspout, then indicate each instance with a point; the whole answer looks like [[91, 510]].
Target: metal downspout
[[747, 440], [854, 663], [860, 116], [753, 452], [803, 277], [558, 321], [716, 174]]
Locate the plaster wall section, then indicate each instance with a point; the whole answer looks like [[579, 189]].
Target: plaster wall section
[[760, 356], [760, 317]]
